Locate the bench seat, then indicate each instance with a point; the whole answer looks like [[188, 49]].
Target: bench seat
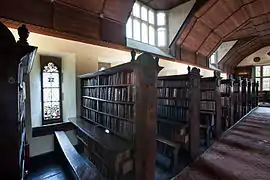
[[82, 169]]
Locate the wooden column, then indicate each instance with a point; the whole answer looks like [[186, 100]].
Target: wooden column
[[257, 93], [194, 114], [146, 115], [218, 123], [231, 102], [253, 94]]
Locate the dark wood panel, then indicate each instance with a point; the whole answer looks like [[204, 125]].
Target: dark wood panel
[[76, 21], [118, 10], [209, 44], [113, 32], [28, 11], [163, 4], [94, 6], [197, 36]]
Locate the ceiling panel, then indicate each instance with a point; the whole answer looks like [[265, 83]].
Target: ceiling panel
[[163, 4], [76, 21], [118, 10], [94, 6], [196, 36]]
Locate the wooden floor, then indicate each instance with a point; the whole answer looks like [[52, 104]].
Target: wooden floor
[[47, 168], [242, 153]]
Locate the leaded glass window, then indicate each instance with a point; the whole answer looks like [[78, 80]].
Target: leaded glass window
[[51, 89]]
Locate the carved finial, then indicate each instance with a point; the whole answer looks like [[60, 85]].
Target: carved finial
[[217, 74], [133, 54], [24, 34], [188, 68]]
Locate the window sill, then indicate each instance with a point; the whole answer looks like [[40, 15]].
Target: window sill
[[50, 128]]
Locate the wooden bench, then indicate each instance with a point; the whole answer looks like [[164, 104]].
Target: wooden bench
[[112, 155], [81, 168]]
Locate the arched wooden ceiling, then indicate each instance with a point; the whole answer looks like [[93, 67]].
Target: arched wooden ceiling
[[223, 20], [242, 49]]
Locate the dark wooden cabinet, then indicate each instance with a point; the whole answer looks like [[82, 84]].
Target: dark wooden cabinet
[[16, 62]]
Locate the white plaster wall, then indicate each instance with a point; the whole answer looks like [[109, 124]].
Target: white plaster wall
[[177, 16]]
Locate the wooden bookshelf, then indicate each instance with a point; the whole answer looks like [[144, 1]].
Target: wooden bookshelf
[[244, 98], [210, 107], [253, 92], [17, 59], [226, 92], [118, 109], [237, 97], [178, 115], [249, 95]]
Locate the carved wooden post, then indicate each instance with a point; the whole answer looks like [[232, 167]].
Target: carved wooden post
[[257, 93], [145, 138], [194, 112], [218, 123], [253, 94], [232, 104]]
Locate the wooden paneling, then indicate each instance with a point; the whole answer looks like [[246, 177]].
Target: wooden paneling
[[76, 21], [94, 6], [163, 4], [118, 10], [28, 11], [113, 32], [196, 36]]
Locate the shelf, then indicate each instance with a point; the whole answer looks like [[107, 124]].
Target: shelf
[[175, 87], [211, 112], [182, 107], [208, 89], [109, 101], [112, 85], [93, 131], [90, 109], [80, 139], [104, 127], [207, 100], [117, 102], [125, 119], [173, 98], [172, 122]]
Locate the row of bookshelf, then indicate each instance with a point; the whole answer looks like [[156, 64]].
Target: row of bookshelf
[[174, 102], [167, 83], [172, 113], [209, 95], [225, 101], [89, 103], [208, 85], [120, 110], [125, 94], [92, 92], [172, 92], [90, 82], [208, 105], [175, 133], [118, 78]]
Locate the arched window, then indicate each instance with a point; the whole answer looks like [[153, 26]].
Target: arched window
[[51, 89]]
